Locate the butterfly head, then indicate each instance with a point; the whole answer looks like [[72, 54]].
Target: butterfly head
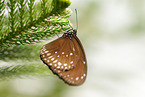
[[70, 33]]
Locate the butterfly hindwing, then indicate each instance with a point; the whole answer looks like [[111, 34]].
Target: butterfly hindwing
[[77, 75]]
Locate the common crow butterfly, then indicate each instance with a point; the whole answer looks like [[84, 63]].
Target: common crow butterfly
[[66, 58]]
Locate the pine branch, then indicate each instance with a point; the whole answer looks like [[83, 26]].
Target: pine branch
[[2, 22], [27, 23], [37, 27], [21, 71]]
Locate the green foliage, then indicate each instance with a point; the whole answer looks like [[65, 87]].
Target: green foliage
[[24, 27], [32, 23]]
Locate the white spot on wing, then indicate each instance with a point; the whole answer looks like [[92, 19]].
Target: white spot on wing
[[55, 65], [42, 51], [58, 67], [71, 53], [44, 59], [65, 64], [62, 52], [82, 77], [71, 62], [46, 51], [62, 67], [55, 51], [54, 61], [77, 78], [73, 49], [69, 66], [59, 63], [50, 57], [48, 54]]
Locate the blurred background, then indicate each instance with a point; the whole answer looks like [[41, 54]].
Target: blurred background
[[112, 33]]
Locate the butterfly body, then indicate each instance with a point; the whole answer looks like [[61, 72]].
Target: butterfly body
[[66, 58]]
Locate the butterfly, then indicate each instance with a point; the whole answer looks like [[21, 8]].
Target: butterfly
[[66, 58]]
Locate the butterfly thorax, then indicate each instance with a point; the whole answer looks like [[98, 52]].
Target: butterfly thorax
[[70, 33]]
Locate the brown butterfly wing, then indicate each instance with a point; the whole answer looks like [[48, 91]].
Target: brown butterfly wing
[[75, 76], [66, 58], [59, 54]]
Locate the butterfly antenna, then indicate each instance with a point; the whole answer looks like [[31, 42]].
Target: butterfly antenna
[[76, 19]]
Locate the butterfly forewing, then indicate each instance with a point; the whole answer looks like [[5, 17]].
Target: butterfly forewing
[[66, 58], [60, 54]]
